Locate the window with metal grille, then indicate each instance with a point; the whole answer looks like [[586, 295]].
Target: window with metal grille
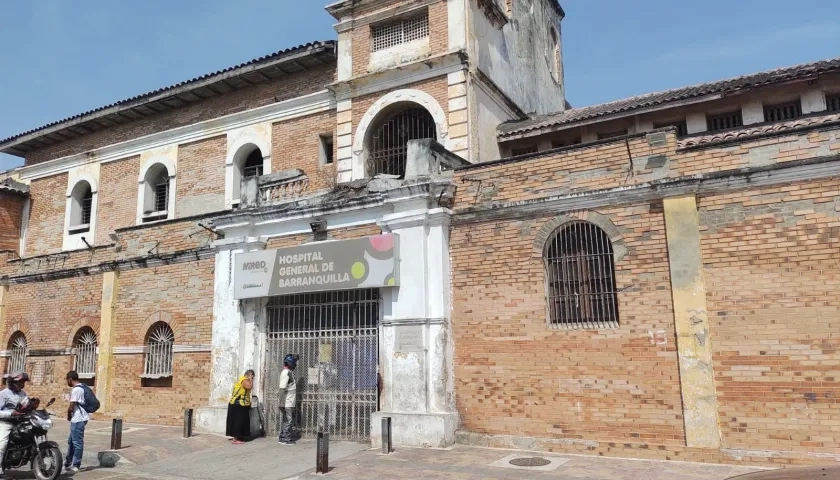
[[682, 128], [389, 142], [580, 278], [17, 354], [617, 133], [832, 103], [162, 195], [515, 152], [400, 32], [782, 111], [84, 353], [724, 121], [81, 208], [87, 207], [253, 165], [160, 343]]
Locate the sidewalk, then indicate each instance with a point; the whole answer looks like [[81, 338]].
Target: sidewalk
[[152, 452]]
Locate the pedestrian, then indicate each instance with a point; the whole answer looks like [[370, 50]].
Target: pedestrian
[[11, 398], [239, 409], [78, 416], [288, 397]]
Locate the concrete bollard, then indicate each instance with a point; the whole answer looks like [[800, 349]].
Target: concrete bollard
[[116, 434], [188, 422], [322, 454], [387, 446]]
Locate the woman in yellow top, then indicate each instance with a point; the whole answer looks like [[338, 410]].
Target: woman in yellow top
[[239, 409]]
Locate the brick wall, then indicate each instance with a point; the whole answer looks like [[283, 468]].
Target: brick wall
[[362, 35], [771, 259], [117, 197], [436, 87], [201, 177], [296, 144], [50, 314], [287, 87], [46, 218], [11, 209], [515, 375], [343, 234], [183, 295]]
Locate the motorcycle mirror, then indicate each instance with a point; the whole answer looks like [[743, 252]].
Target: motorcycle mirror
[[52, 400]]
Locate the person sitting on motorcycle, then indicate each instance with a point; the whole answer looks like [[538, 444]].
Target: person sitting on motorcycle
[[11, 399]]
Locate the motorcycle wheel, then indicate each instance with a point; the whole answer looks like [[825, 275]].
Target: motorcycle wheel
[[47, 464]]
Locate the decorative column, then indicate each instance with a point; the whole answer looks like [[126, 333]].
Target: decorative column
[[107, 329], [229, 335], [416, 343], [688, 287]]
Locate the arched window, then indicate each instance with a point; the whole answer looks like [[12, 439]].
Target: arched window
[[17, 353], [580, 278], [389, 141], [156, 196], [81, 207], [247, 163], [253, 165], [159, 348], [84, 350]]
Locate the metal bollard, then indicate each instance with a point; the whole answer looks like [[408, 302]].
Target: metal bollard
[[322, 454], [387, 446], [188, 422], [116, 434]]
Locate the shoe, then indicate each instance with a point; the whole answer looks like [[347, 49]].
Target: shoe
[[281, 442], [73, 469]]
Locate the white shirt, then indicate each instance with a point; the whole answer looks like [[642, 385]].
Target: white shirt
[[288, 388], [79, 414]]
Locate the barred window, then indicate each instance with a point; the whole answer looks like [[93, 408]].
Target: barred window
[[389, 142], [782, 111], [81, 207], [400, 32], [724, 121], [253, 165], [84, 353], [580, 278], [156, 194], [160, 342], [17, 354], [527, 150], [832, 103]]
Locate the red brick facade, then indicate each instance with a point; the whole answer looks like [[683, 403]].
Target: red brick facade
[[11, 209]]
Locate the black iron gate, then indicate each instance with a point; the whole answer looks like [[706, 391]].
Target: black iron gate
[[336, 336]]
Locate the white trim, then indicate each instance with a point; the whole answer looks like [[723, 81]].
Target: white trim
[[404, 95], [168, 158], [24, 225], [71, 236], [164, 160], [83, 176], [255, 135], [380, 15], [414, 72], [296, 107]]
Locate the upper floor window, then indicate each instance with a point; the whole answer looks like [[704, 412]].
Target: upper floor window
[[527, 150], [253, 165], [81, 207], [157, 195], [580, 278], [401, 31], [617, 133], [325, 149], [724, 121], [782, 111], [389, 141], [17, 354], [832, 103], [84, 352]]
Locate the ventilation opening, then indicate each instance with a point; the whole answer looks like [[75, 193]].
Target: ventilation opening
[[400, 32], [833, 103], [682, 127], [724, 121], [782, 111]]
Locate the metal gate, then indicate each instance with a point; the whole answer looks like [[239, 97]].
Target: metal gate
[[336, 336]]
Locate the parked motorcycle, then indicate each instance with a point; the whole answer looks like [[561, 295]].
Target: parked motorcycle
[[28, 443]]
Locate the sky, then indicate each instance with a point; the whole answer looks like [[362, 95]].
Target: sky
[[59, 58]]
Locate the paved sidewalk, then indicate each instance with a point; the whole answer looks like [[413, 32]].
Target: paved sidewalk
[[160, 453]]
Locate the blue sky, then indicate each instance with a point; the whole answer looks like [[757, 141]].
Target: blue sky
[[59, 58]]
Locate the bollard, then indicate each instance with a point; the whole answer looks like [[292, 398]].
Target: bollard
[[188, 422], [386, 435], [116, 434], [322, 454]]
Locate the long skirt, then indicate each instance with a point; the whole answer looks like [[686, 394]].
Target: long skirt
[[238, 421]]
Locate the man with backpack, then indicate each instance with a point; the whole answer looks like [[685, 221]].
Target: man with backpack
[[82, 404]]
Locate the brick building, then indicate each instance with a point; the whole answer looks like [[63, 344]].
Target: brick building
[[444, 242]]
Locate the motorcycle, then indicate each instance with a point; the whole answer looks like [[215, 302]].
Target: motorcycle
[[28, 442]]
